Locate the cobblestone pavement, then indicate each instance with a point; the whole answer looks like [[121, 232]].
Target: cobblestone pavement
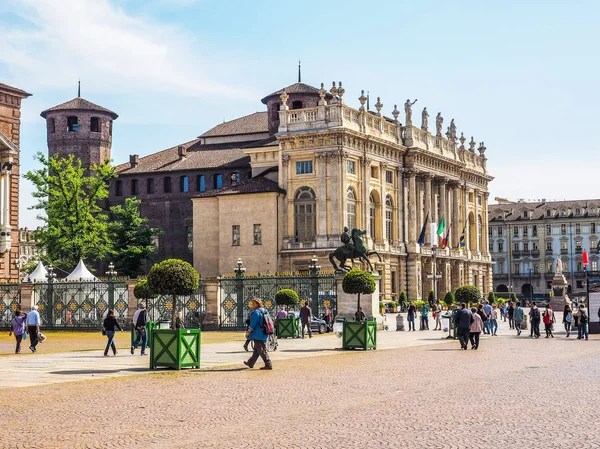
[[512, 393]]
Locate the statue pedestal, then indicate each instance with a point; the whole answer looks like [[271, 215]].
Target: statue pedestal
[[559, 292], [347, 304]]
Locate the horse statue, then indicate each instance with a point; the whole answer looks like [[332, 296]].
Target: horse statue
[[353, 248]]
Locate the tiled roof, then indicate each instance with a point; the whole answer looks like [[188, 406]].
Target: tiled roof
[[253, 185], [249, 124], [537, 210], [168, 160], [79, 104], [297, 88], [14, 90]]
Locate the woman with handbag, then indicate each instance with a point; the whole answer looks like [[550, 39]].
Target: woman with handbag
[[108, 329], [568, 317], [17, 327]]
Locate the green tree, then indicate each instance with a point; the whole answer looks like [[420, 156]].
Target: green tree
[[513, 297], [143, 291], [173, 277], [287, 297], [132, 237], [403, 298], [467, 294], [431, 299], [356, 282], [491, 297], [75, 226], [449, 299]]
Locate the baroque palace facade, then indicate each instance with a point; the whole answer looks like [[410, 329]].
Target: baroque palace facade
[[329, 165]]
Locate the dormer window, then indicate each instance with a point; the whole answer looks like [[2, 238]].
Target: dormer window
[[72, 124], [296, 104], [548, 213], [95, 125], [577, 211], [525, 214]]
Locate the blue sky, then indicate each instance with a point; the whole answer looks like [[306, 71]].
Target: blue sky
[[519, 75]]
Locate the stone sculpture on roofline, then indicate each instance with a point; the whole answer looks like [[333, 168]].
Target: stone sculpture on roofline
[[439, 121], [424, 120]]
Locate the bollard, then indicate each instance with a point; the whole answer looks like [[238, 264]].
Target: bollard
[[399, 322]]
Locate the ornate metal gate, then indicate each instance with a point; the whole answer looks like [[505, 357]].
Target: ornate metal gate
[[10, 300], [236, 293], [66, 304], [193, 308]]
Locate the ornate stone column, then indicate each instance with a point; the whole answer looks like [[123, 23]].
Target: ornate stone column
[[285, 159], [338, 186], [477, 231], [484, 215], [401, 205], [427, 177], [443, 210], [366, 176], [383, 169], [412, 205], [322, 194], [456, 228], [466, 218]]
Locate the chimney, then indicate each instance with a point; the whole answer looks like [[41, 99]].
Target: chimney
[[134, 159], [182, 152]]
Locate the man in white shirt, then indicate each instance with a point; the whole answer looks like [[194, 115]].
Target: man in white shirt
[[33, 327]]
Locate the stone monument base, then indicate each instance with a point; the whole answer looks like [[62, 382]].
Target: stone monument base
[[347, 304], [559, 292]]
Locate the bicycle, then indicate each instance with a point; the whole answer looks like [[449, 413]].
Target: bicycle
[[271, 344]]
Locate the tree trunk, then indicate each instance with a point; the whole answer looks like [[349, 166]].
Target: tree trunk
[[174, 312], [358, 303]]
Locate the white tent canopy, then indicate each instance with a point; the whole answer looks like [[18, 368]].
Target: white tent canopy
[[81, 273], [37, 275]]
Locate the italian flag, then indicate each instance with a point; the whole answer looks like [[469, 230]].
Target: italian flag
[[440, 230]]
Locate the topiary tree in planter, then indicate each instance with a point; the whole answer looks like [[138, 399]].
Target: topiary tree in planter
[[467, 294], [287, 297], [357, 282], [403, 299], [513, 297], [173, 277], [449, 299], [491, 297], [143, 291]]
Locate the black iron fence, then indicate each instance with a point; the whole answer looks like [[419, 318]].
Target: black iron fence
[[193, 308], [10, 300], [236, 292]]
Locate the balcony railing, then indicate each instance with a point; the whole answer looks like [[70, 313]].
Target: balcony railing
[[578, 250], [516, 253], [548, 251], [593, 250], [564, 251], [535, 253]]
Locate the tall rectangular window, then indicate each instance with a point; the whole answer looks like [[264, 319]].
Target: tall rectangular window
[[534, 230], [500, 231], [526, 246], [491, 246], [190, 238], [516, 231], [235, 235], [257, 234], [218, 181], [389, 176], [134, 186], [201, 184], [594, 265], [490, 231], [167, 184], [304, 167], [548, 230], [548, 246], [516, 268], [592, 228], [525, 231], [577, 228], [184, 184], [563, 229], [72, 124], [150, 186], [118, 187], [351, 167], [95, 125], [394, 281], [500, 247], [516, 246]]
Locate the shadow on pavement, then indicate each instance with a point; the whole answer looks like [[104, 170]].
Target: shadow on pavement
[[98, 371], [304, 350], [226, 370]]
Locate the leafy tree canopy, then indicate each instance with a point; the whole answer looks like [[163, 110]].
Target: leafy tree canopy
[[287, 297], [173, 277], [449, 298], [468, 294], [142, 290]]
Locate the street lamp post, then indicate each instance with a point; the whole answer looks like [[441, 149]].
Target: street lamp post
[[111, 273], [314, 269], [239, 271], [433, 275]]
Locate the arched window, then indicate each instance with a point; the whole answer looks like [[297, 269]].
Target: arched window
[[389, 218], [351, 208], [305, 216], [577, 211]]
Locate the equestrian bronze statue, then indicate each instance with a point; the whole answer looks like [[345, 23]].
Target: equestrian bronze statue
[[353, 248]]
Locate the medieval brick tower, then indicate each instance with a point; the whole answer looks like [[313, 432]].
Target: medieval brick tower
[[81, 128]]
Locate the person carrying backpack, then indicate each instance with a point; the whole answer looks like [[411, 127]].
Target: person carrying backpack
[[534, 315], [548, 318], [140, 319], [583, 322], [260, 326]]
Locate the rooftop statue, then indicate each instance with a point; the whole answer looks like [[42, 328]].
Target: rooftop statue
[[408, 110], [439, 121], [424, 117]]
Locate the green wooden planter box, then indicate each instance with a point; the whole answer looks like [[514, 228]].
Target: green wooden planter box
[[359, 335], [288, 328], [149, 326], [175, 348]]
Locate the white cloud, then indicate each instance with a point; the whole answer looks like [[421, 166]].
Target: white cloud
[[102, 44]]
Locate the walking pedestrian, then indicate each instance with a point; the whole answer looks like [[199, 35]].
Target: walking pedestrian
[[568, 317], [494, 320], [33, 327], [108, 326], [437, 314], [328, 317], [548, 316], [535, 319], [582, 313], [305, 319], [282, 314], [410, 316], [486, 322], [484, 318], [424, 317], [140, 320], [463, 325], [17, 327], [505, 312], [475, 329], [258, 336], [518, 316], [511, 315]]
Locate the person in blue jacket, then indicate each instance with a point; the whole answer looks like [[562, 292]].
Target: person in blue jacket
[[255, 332]]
